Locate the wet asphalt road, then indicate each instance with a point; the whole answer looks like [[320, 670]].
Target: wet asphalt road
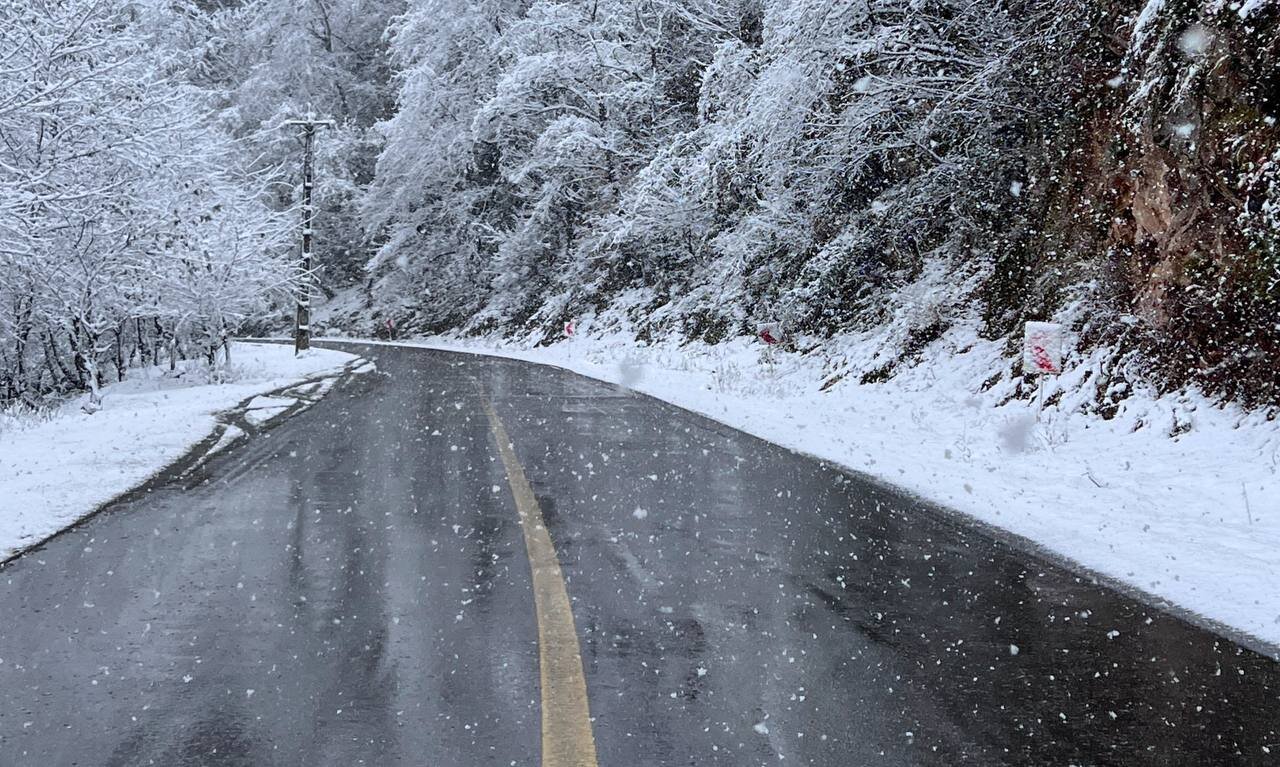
[[352, 587]]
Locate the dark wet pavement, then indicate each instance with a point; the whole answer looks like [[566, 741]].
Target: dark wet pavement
[[351, 587]]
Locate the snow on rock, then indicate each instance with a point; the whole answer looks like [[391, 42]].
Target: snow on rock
[[1248, 7], [1192, 518], [60, 469], [1141, 27]]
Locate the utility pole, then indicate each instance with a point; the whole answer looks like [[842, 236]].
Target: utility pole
[[302, 327]]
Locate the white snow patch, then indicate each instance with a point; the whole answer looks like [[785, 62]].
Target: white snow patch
[[229, 435], [1194, 41], [260, 410]]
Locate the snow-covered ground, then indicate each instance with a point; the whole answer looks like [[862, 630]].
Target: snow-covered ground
[[56, 470], [1193, 519]]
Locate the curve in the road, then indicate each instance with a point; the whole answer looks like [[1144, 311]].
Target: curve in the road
[[355, 586]]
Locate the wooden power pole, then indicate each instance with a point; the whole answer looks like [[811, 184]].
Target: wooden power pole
[[302, 327]]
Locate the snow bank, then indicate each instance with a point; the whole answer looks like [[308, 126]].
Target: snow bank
[[1174, 496], [55, 471]]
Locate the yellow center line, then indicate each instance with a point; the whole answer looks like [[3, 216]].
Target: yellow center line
[[566, 719]]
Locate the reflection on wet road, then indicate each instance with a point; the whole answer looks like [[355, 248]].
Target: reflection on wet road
[[353, 587]]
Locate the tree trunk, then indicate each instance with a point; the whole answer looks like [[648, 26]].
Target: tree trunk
[[79, 362], [140, 343], [121, 362], [20, 353], [54, 361]]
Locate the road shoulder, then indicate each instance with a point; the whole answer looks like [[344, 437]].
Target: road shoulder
[[63, 469]]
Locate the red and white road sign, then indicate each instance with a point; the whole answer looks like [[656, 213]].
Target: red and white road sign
[[1042, 348], [770, 332]]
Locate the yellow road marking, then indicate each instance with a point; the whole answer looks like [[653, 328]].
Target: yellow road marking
[[566, 720]]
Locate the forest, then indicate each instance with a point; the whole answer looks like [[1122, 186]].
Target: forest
[[902, 171]]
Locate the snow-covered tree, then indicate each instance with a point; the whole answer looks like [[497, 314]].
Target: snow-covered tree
[[268, 61], [124, 224]]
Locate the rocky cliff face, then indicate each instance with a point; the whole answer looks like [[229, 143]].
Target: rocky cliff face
[[1169, 199]]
